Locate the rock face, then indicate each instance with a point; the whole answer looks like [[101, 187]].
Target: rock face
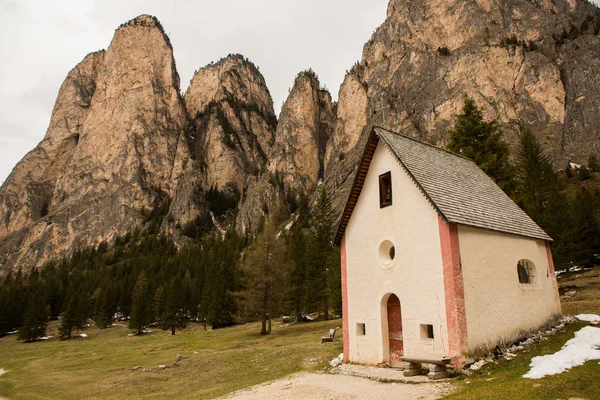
[[26, 194], [123, 141], [531, 62], [305, 124], [232, 122], [109, 152]]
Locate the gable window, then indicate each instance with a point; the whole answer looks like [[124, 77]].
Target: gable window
[[526, 272], [385, 189]]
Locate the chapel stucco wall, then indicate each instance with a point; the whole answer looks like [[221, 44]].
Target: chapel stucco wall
[[415, 275], [497, 306]]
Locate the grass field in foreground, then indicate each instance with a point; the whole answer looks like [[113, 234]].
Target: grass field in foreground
[[504, 380], [214, 362]]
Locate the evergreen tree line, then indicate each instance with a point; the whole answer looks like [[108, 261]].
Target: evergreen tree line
[[217, 280], [573, 221]]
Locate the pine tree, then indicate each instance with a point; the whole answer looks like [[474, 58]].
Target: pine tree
[[481, 141], [266, 271], [141, 306], [537, 184], [35, 319], [323, 277], [297, 254], [74, 315], [594, 162], [584, 173], [218, 304], [106, 307], [539, 193], [584, 234], [170, 306], [569, 170]]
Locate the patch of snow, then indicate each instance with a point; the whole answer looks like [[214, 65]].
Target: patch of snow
[[588, 317], [12, 332], [576, 268], [217, 225], [477, 365], [289, 225], [83, 335], [583, 347], [575, 166], [46, 337], [337, 361]]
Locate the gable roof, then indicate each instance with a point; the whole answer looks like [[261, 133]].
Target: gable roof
[[457, 188]]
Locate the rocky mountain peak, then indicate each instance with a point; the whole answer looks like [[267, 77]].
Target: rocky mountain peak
[[232, 121], [305, 125], [517, 58], [109, 151]]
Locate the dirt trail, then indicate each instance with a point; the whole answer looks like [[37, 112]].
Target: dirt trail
[[339, 387]]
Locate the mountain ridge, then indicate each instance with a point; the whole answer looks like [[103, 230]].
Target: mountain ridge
[[123, 140]]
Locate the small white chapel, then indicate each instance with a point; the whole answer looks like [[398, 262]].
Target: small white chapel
[[437, 261]]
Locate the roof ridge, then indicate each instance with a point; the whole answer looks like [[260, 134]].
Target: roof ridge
[[426, 144]]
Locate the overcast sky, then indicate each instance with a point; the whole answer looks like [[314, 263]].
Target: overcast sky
[[41, 40]]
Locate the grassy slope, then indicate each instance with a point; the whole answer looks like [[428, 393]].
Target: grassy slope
[[214, 363], [504, 380], [218, 362]]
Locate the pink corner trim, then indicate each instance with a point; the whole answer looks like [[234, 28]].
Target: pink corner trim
[[553, 277], [345, 299], [454, 292]]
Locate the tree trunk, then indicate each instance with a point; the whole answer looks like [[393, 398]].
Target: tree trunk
[[263, 330], [269, 324], [172, 329]]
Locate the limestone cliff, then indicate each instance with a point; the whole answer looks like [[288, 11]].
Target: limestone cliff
[[231, 126], [26, 194], [533, 62], [123, 141], [232, 122], [108, 155], [305, 124]]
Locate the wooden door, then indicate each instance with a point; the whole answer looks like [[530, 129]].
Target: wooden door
[[394, 315]]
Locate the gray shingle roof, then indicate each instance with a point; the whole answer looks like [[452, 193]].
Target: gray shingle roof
[[459, 189]]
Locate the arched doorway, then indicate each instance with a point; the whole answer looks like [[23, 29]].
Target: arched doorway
[[394, 317]]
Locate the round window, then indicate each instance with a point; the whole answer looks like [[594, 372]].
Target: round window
[[387, 252]]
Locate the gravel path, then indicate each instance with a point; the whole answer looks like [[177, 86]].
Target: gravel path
[[339, 387]]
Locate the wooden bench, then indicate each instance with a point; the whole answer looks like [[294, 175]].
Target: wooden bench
[[415, 367], [329, 338]]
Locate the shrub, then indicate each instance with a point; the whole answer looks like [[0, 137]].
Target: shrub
[[443, 51]]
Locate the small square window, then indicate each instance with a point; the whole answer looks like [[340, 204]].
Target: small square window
[[427, 331], [385, 190], [361, 329]]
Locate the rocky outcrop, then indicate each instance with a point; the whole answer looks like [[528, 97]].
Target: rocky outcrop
[[531, 63], [232, 122], [122, 141], [113, 139], [350, 121], [305, 125], [27, 192]]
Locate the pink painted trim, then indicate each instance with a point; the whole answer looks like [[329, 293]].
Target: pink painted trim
[[345, 299], [553, 277], [454, 292]]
